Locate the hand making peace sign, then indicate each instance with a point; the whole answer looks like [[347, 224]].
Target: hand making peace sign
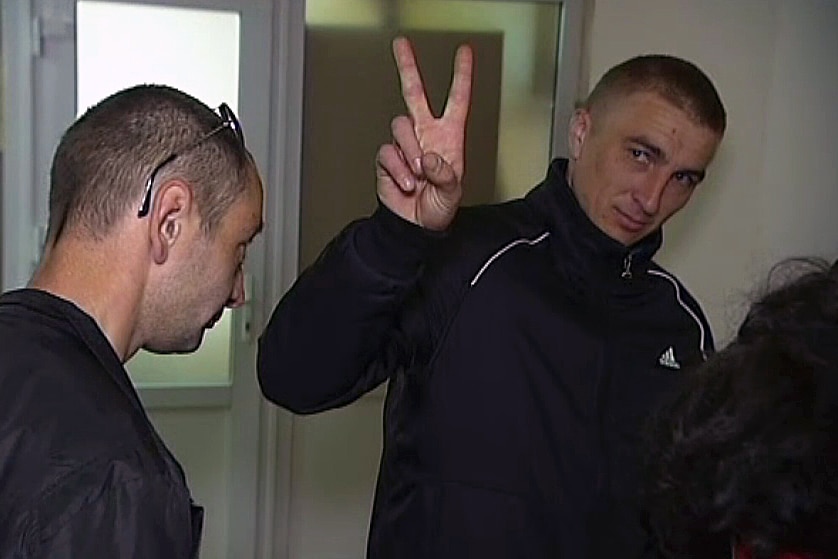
[[420, 174]]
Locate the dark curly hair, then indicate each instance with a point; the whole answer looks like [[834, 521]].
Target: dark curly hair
[[748, 452]]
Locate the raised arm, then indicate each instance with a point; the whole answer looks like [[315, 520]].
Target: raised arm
[[341, 330]]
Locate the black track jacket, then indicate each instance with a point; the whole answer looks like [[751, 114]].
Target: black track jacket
[[523, 349], [83, 473]]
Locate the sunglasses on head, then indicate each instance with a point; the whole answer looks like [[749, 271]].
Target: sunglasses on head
[[228, 120]]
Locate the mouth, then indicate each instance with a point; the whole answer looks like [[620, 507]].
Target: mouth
[[631, 223]]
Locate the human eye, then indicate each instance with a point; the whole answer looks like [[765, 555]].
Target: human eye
[[687, 180], [640, 155]]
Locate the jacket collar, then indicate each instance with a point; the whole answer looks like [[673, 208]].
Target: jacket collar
[[84, 327], [576, 236], [75, 321]]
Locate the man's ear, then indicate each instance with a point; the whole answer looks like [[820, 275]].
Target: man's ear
[[170, 211], [580, 127]]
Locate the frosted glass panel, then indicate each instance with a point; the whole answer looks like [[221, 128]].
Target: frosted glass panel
[[210, 365], [197, 51], [345, 12], [121, 44]]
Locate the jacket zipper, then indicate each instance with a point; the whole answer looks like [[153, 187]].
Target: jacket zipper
[[627, 267]]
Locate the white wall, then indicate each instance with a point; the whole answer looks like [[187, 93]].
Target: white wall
[[800, 171], [772, 188]]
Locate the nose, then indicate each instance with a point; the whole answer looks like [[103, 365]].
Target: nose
[[237, 295], [649, 194]]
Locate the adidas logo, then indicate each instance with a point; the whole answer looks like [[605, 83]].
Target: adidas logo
[[667, 359]]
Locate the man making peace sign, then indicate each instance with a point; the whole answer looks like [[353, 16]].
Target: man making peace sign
[[524, 342]]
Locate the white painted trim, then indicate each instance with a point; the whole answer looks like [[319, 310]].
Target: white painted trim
[[568, 70], [18, 145], [247, 440], [233, 5], [281, 256]]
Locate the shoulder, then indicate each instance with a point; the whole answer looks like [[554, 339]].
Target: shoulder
[[677, 304], [477, 238], [66, 428], [55, 387], [678, 291], [480, 232], [497, 222], [93, 498]]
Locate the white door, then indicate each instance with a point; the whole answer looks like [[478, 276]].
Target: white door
[[65, 55]]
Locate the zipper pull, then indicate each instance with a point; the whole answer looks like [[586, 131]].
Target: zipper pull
[[626, 267]]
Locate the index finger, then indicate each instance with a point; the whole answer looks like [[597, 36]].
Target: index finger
[[413, 90], [459, 95]]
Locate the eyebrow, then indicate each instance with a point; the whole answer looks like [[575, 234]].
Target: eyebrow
[[652, 148], [658, 152]]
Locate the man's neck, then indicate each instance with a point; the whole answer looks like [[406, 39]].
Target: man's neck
[[95, 276]]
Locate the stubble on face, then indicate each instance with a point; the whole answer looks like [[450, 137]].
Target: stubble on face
[[200, 284], [636, 162]]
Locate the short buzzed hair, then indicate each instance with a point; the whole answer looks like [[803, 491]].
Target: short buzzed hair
[[105, 158], [680, 82]]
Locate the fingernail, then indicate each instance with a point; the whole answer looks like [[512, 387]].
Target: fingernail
[[417, 164]]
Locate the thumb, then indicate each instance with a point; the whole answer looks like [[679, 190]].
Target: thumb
[[439, 172]]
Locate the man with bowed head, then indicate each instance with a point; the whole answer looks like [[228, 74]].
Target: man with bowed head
[[153, 202], [524, 342]]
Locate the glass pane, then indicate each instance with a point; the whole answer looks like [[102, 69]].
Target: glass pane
[[118, 45], [348, 64]]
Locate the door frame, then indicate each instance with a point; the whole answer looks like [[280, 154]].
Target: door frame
[[281, 253]]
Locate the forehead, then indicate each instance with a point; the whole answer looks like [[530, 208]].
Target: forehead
[[244, 218], [653, 118]]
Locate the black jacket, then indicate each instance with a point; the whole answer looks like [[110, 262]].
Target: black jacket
[[82, 471], [523, 349]]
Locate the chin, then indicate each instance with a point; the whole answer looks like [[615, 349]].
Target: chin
[[178, 347], [193, 345], [629, 238], [621, 236]]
